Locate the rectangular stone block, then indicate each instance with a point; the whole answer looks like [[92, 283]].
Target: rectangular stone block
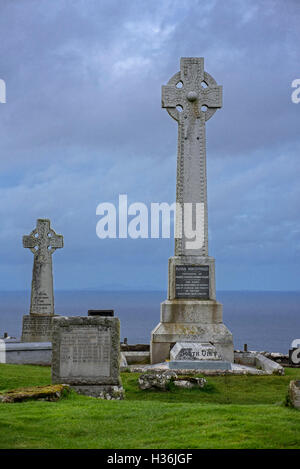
[[199, 365], [204, 351], [37, 328], [86, 351]]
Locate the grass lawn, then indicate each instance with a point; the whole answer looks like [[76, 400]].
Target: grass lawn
[[233, 412]]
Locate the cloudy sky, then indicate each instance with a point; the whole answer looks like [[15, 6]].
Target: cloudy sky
[[83, 123]]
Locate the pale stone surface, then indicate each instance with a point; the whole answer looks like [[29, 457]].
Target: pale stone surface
[[198, 89], [34, 353], [42, 242], [156, 380], [191, 312], [86, 354], [294, 394], [194, 351], [190, 383], [218, 365], [259, 361], [162, 380], [37, 328]]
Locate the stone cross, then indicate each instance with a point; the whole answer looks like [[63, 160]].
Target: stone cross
[[42, 241], [191, 97]]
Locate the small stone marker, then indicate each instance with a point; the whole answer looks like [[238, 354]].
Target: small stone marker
[[42, 242], [86, 355], [194, 351], [193, 355]]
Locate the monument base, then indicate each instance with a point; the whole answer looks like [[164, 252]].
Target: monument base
[[190, 321], [101, 391], [199, 365], [37, 328]]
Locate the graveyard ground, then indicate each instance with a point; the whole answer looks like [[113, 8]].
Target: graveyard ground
[[233, 412]]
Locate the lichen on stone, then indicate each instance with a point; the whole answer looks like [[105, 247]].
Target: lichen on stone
[[45, 393]]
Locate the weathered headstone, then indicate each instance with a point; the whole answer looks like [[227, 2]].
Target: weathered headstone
[[191, 312], [42, 242], [86, 355]]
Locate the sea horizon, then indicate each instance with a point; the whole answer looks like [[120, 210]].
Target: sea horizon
[[265, 320]]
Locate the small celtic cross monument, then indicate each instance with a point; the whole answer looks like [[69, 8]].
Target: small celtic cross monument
[[42, 241], [191, 97]]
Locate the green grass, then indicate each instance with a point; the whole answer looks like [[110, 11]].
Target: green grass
[[233, 412]]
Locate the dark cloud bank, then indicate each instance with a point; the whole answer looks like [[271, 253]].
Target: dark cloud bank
[[83, 124]]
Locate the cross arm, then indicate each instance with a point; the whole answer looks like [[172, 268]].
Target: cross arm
[[170, 96], [212, 96], [29, 241], [56, 241]]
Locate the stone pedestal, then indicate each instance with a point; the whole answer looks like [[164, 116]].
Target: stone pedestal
[[190, 319], [37, 328]]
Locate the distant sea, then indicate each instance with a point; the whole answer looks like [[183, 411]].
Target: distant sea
[[263, 320]]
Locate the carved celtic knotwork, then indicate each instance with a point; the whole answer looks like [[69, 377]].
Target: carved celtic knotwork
[[198, 89], [43, 241]]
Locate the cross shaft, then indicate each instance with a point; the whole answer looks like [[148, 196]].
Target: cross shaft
[[191, 97]]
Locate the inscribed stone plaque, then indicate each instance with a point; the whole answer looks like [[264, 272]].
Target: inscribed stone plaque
[[37, 328], [85, 352], [194, 351], [192, 281]]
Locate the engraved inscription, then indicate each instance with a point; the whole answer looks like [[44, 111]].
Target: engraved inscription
[[192, 281], [85, 352], [37, 328]]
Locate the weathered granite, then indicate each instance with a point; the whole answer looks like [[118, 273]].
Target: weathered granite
[[294, 394], [37, 328], [258, 361], [42, 242], [156, 380], [191, 312], [199, 365], [86, 353], [194, 351], [162, 380]]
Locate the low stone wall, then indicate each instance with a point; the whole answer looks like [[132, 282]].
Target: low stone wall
[[258, 361], [137, 357], [26, 353]]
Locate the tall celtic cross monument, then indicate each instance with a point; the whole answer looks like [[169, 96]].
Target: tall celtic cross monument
[[42, 242], [191, 312]]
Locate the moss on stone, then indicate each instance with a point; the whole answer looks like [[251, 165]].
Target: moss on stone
[[47, 393]]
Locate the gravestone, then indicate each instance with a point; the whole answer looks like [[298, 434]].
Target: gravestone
[[86, 355], [191, 312], [42, 242]]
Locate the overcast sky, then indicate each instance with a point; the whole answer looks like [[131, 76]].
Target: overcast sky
[[83, 123]]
